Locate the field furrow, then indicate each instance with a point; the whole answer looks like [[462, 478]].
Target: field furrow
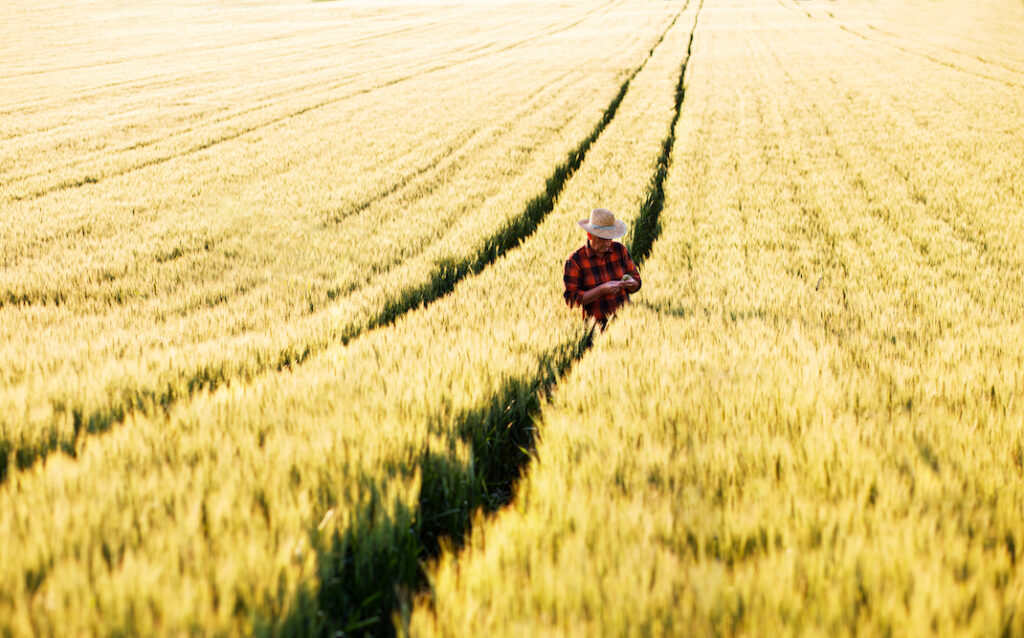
[[218, 285], [283, 348], [811, 422], [367, 455]]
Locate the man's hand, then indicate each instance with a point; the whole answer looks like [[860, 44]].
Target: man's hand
[[630, 286], [600, 292]]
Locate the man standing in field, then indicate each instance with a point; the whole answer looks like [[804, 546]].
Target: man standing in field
[[600, 276]]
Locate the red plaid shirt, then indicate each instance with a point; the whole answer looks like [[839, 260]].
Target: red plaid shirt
[[585, 269]]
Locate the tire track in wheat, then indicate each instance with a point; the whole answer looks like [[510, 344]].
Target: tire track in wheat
[[502, 433], [437, 284]]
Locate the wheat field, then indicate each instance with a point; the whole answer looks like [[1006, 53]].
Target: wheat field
[[283, 348]]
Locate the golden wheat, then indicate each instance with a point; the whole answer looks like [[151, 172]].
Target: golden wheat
[[239, 223], [257, 498], [812, 423]]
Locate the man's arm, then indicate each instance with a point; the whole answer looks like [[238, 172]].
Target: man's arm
[[604, 290], [573, 279]]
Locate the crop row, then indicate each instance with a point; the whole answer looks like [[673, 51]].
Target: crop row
[[131, 293], [301, 499], [811, 420], [983, 43], [133, 108]]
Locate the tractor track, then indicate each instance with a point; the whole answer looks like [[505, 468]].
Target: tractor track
[[502, 434], [442, 281], [501, 431]]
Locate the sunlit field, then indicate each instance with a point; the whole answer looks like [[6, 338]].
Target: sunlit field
[[283, 348]]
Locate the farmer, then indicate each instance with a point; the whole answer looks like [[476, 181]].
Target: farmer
[[600, 276]]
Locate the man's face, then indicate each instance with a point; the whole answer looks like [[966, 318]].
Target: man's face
[[600, 245]]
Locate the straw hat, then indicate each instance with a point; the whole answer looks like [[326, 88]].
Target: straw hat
[[602, 223]]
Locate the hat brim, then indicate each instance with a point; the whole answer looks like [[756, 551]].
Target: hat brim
[[605, 232]]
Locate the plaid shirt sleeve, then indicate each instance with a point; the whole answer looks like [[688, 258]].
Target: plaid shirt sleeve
[[573, 279]]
